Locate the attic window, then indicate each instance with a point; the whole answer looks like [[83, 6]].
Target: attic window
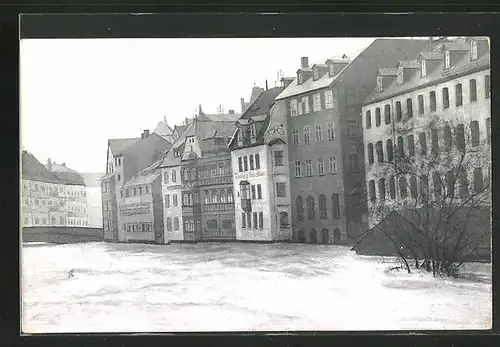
[[473, 50], [423, 70], [400, 75], [316, 73], [379, 84], [332, 69], [447, 62], [300, 77]]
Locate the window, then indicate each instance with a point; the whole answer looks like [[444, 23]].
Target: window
[[423, 143], [390, 150], [436, 182], [134, 191], [411, 145], [310, 208], [293, 108], [421, 104], [409, 108], [146, 189], [478, 180], [240, 164], [371, 191], [321, 166], [309, 167], [460, 137], [174, 176], [175, 199], [446, 98], [399, 115], [118, 178], [381, 189], [335, 206], [458, 94], [400, 75], [252, 130], [392, 187], [253, 192], [331, 132], [317, 102], [434, 140], [243, 220], [413, 187], [474, 127], [377, 117], [387, 114], [472, 90], [255, 220], [281, 189], [488, 129], [297, 169], [278, 158], [167, 200], [176, 222], [424, 186], [257, 161], [165, 177], [432, 97], [403, 187], [223, 196], [423, 68], [215, 194], [487, 87], [37, 203], [322, 207], [295, 136], [245, 163], [368, 119], [447, 62], [464, 183], [450, 182], [379, 84], [140, 190], [61, 220], [380, 152], [169, 223], [329, 99], [212, 224], [252, 165], [401, 150], [333, 164], [300, 209], [229, 194], [473, 50], [249, 220], [305, 105], [307, 135], [259, 192], [353, 162], [319, 133]]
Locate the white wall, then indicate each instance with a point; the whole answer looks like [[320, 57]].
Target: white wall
[[172, 188]]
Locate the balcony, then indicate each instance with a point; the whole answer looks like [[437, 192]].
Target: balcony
[[212, 181], [217, 207]]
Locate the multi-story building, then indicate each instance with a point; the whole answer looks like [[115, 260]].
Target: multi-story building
[[261, 172], [52, 196], [325, 140], [413, 109]]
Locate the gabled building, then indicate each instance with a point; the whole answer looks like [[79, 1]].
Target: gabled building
[[260, 171], [165, 131], [325, 140]]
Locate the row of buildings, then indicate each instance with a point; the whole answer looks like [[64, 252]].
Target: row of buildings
[[52, 195], [297, 163]]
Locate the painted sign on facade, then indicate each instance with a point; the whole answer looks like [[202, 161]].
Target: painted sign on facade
[[249, 174], [131, 209]]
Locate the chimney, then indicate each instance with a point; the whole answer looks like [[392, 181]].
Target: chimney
[[231, 111], [200, 111], [49, 165], [266, 85], [304, 62], [145, 134]]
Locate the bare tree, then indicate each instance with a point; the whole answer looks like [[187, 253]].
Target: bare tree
[[439, 195]]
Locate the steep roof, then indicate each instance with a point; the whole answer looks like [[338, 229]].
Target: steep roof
[[119, 145], [163, 129], [67, 175], [33, 170], [168, 159], [143, 153], [438, 74]]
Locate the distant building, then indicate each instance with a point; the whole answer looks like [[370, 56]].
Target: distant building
[[165, 131], [52, 196], [325, 140], [261, 172]]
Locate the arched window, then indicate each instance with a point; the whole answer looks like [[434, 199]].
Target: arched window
[[401, 150], [176, 223], [460, 137], [447, 137], [323, 214], [387, 114], [301, 236], [474, 128], [300, 209], [310, 208], [368, 119], [307, 135], [403, 187], [336, 236], [169, 223], [380, 151], [369, 150], [324, 236], [413, 187], [284, 219], [390, 150], [378, 118]]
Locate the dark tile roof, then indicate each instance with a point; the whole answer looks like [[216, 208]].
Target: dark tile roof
[[33, 170], [223, 117], [168, 159], [119, 145], [143, 153], [435, 76]]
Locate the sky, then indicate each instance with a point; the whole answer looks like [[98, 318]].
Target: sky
[[78, 93]]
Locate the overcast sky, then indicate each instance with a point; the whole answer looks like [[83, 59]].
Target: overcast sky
[[77, 93]]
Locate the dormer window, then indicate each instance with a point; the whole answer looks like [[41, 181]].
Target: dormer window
[[316, 73], [423, 70], [379, 84], [400, 75], [300, 78], [177, 153], [190, 139], [447, 62], [332, 69], [252, 130], [473, 50]]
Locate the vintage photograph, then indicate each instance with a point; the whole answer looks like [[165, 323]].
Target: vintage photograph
[[255, 184]]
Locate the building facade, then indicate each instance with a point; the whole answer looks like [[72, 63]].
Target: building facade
[[325, 141], [412, 112], [260, 171], [52, 195]]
